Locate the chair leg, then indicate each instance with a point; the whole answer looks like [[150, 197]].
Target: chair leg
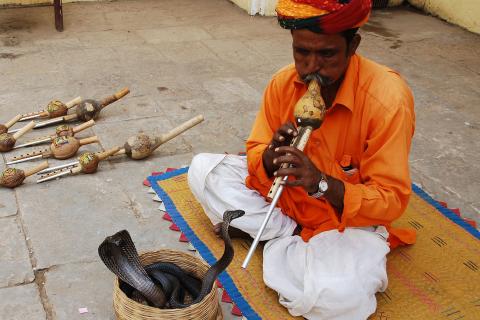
[[57, 6]]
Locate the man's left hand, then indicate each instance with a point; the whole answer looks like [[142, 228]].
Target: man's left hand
[[305, 173], [308, 176]]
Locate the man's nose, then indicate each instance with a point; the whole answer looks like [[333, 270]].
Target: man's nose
[[314, 63]]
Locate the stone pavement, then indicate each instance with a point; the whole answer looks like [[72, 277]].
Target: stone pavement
[[181, 58]]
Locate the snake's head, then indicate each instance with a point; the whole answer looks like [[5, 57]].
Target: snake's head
[[229, 215]]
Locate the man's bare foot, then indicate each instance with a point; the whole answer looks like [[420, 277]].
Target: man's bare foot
[[233, 232]]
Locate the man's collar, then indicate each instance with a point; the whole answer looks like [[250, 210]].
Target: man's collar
[[346, 93]]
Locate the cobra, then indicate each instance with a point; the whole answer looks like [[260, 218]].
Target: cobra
[[162, 284]]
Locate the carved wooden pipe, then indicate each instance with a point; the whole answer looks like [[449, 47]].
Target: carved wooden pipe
[[12, 177], [90, 109], [8, 140], [63, 130], [55, 108], [4, 127], [61, 148], [141, 146]]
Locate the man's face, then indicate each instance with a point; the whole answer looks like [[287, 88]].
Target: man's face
[[327, 55]]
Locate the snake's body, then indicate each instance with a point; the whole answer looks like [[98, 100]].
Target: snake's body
[[162, 284]]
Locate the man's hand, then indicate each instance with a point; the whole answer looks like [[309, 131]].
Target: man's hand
[[306, 174], [282, 137]]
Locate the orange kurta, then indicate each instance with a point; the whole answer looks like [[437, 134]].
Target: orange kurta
[[369, 126]]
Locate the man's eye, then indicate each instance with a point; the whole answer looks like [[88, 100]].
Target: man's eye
[[303, 52], [327, 53]]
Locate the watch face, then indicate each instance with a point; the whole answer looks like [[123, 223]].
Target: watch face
[[323, 186]]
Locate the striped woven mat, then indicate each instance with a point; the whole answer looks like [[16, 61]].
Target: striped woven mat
[[437, 278]]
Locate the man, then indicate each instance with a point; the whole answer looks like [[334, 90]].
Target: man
[[330, 234]]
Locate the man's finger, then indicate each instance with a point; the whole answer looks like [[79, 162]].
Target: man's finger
[[288, 159], [282, 172], [293, 183]]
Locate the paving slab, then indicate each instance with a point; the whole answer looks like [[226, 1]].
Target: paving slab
[[21, 303], [80, 285], [174, 34], [15, 266]]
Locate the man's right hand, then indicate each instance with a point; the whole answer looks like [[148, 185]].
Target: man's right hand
[[282, 137]]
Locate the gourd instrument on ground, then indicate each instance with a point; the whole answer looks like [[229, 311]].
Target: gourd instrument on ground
[[141, 146], [87, 163], [87, 109], [54, 109], [12, 177], [61, 148], [4, 127], [309, 113], [161, 284], [63, 130], [8, 140]]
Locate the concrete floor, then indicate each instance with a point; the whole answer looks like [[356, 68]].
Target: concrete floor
[[181, 58]]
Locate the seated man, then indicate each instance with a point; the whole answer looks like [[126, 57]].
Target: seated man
[[330, 234]]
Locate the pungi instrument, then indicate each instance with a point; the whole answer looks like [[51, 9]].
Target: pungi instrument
[[4, 127], [63, 130], [87, 163], [87, 110], [8, 140], [141, 146], [61, 148], [55, 108], [12, 177], [309, 113]]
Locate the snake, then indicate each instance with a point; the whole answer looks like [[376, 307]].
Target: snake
[[162, 284]]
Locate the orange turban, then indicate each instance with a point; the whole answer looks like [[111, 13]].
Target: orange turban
[[325, 16]]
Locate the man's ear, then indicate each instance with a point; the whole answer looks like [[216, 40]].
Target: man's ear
[[354, 44]]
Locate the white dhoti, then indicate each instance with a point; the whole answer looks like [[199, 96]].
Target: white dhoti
[[332, 276]]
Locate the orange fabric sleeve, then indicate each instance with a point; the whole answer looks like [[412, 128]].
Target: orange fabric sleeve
[[261, 135]]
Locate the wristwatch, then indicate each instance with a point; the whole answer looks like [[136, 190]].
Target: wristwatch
[[322, 187]]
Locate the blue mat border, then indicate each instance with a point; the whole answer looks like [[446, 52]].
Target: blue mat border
[[225, 279], [446, 212], [204, 251]]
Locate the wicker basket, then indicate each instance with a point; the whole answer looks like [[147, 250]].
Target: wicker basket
[[208, 308]]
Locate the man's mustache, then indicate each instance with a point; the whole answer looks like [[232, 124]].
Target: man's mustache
[[322, 80]]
